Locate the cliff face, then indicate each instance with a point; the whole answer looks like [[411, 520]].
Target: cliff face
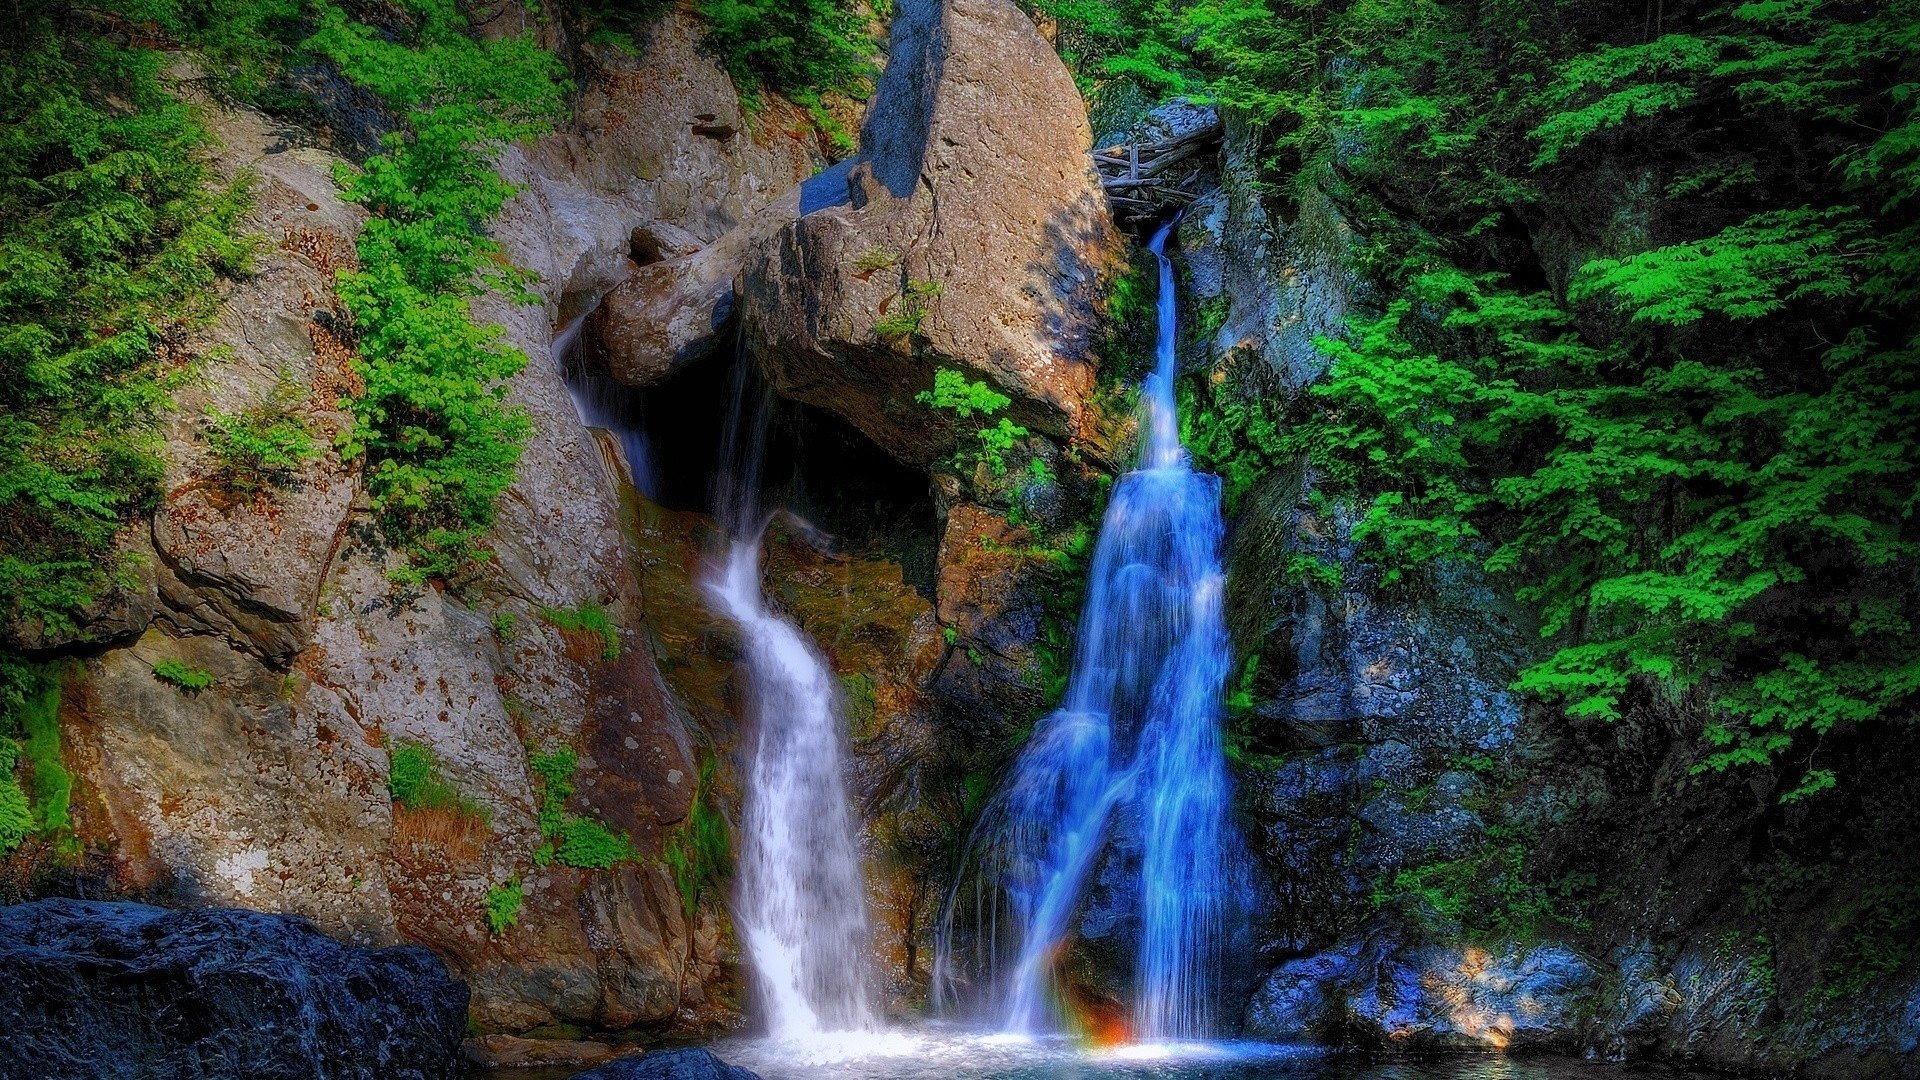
[[269, 788]]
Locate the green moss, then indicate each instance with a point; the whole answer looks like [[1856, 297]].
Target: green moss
[[905, 319], [571, 840], [52, 785], [699, 851], [502, 904], [588, 618], [183, 675]]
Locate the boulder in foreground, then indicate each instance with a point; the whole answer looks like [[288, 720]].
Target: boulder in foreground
[[101, 990]]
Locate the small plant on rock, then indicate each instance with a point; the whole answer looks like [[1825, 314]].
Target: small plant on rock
[[587, 618], [503, 904], [183, 675], [953, 392], [905, 320], [257, 448]]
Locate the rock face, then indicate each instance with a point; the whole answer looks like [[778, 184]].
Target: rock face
[[270, 789], [969, 232], [108, 990]]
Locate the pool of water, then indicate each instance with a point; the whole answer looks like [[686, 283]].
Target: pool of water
[[937, 1054]]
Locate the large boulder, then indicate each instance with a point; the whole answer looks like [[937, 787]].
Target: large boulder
[[108, 990], [969, 232]]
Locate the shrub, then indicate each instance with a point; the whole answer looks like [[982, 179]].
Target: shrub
[[257, 447], [113, 231], [906, 319], [503, 902], [954, 393], [183, 675], [415, 781]]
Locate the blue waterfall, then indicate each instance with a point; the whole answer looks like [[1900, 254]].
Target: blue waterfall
[[1132, 765]]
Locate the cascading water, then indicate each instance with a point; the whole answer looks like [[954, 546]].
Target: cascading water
[[801, 907], [1136, 746], [603, 402]]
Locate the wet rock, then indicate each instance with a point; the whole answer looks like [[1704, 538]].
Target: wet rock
[[95, 990], [687, 1064], [969, 232], [512, 1052], [1381, 992]]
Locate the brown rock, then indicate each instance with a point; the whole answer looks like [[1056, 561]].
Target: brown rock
[[513, 1052], [972, 176]]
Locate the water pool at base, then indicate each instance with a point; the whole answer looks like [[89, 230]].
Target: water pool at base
[[935, 1054]]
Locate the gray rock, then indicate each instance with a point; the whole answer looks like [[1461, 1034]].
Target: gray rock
[[107, 990]]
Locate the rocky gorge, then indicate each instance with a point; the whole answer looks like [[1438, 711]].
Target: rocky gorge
[[499, 806]]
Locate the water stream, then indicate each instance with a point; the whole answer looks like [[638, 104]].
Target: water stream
[[1131, 769], [603, 402], [800, 910]]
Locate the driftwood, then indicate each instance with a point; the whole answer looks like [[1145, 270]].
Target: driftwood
[[1147, 179]]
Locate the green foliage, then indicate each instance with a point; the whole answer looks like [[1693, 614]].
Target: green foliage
[[442, 442], [572, 840], [793, 47], [1231, 432], [257, 447], [588, 618], [183, 675], [905, 320], [1487, 894], [1692, 440], [30, 737], [953, 392], [698, 851], [415, 781], [502, 903], [112, 232], [505, 625]]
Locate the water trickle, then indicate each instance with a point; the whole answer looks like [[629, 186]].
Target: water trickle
[[1134, 753], [801, 906], [601, 401]]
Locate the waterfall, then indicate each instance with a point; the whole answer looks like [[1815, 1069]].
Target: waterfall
[[601, 401], [801, 906], [1135, 751]]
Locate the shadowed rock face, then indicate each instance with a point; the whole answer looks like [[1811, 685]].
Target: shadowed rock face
[[105, 990], [972, 177]]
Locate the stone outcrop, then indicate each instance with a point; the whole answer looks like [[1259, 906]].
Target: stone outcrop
[[972, 179], [1382, 994], [110, 990], [665, 132]]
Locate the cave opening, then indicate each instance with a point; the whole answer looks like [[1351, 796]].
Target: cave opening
[[817, 465]]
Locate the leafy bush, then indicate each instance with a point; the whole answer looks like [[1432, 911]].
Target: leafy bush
[[112, 232], [588, 618], [793, 47], [413, 779], [183, 675], [953, 392], [441, 441], [503, 902], [257, 447]]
